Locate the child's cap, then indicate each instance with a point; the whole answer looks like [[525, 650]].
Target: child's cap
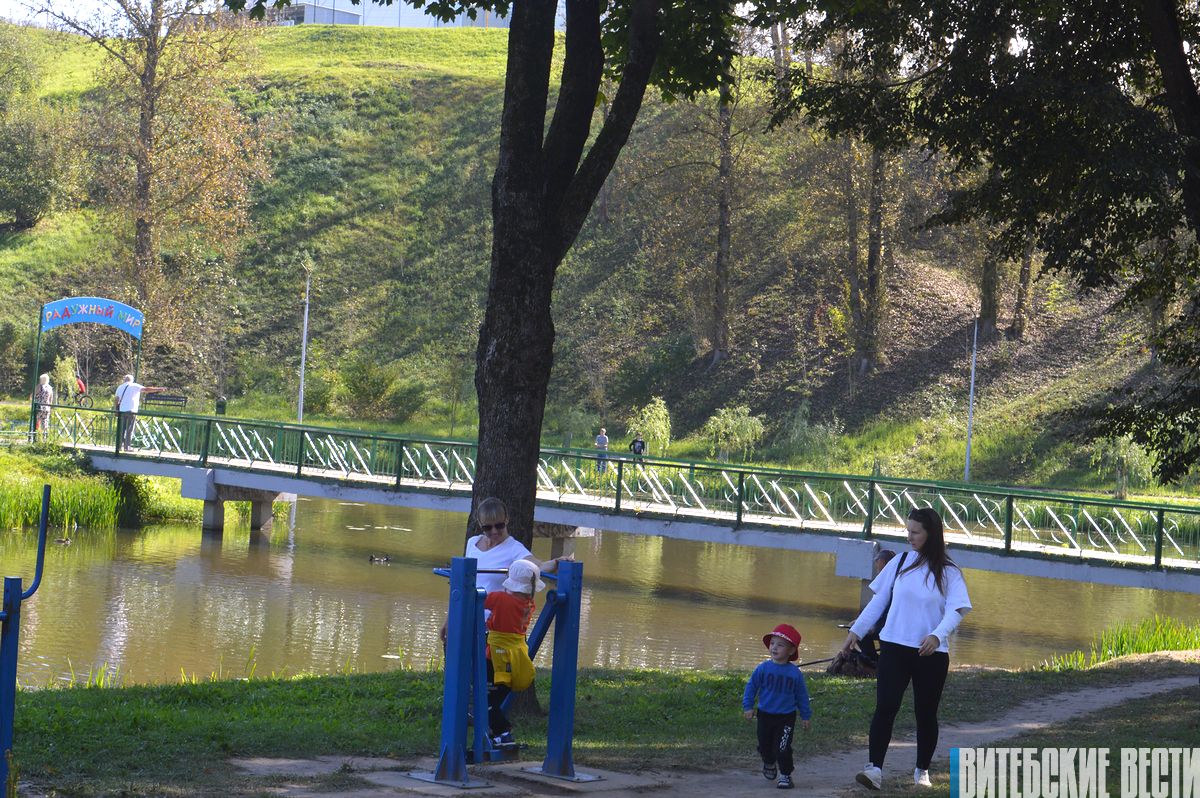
[[522, 574], [788, 633]]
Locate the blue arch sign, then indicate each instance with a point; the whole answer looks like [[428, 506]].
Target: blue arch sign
[[97, 310]]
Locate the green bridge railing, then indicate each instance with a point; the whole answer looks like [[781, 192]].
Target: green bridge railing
[[1013, 520]]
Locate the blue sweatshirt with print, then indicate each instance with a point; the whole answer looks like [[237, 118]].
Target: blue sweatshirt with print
[[780, 689]]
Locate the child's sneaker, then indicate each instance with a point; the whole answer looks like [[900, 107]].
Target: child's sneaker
[[921, 778], [785, 782], [504, 740], [770, 771], [871, 777]]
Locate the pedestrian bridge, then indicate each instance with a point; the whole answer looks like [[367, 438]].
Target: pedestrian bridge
[[1030, 532]]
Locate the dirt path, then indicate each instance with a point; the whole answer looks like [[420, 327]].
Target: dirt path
[[822, 776], [826, 775]]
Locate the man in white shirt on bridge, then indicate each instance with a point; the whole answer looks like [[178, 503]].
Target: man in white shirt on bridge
[[128, 398]]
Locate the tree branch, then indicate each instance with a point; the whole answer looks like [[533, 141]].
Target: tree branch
[[580, 84], [645, 41], [526, 86], [1162, 24]]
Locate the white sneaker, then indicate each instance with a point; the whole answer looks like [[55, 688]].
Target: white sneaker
[[871, 777], [921, 778]]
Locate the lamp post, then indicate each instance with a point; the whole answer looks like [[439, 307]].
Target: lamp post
[[308, 268], [971, 402]]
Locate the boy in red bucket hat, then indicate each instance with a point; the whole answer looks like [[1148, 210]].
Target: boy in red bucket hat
[[781, 692]]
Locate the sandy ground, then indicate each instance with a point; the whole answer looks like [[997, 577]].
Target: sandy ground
[[824, 776]]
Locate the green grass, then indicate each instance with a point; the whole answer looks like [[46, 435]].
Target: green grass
[[141, 740], [79, 496], [76, 497], [383, 53], [37, 265], [1151, 634]]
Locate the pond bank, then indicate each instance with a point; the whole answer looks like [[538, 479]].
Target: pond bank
[[80, 496]]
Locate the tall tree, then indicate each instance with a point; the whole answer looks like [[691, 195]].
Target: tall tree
[[1020, 317], [1085, 119], [989, 294], [549, 170], [175, 158]]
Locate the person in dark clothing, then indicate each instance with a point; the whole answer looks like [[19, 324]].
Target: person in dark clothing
[[637, 446]]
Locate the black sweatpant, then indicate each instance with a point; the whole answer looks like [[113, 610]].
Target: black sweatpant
[[775, 739], [897, 666], [498, 722]]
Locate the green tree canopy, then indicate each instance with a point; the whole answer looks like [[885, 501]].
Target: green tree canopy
[[1084, 119]]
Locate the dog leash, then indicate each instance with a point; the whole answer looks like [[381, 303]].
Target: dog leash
[[815, 662]]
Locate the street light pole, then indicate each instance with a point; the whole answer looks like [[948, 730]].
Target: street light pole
[[304, 342], [971, 402]]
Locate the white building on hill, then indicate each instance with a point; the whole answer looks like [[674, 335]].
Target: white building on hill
[[366, 12]]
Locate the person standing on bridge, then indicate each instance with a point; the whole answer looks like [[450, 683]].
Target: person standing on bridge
[[127, 399], [43, 398], [638, 445], [602, 445], [925, 598]]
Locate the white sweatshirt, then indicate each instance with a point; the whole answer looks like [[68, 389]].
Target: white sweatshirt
[[918, 609]]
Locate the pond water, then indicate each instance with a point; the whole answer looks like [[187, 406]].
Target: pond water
[[156, 603]]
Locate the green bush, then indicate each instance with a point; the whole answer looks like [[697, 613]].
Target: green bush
[[817, 444], [732, 430], [403, 398], [30, 166], [321, 388], [573, 424], [654, 423]]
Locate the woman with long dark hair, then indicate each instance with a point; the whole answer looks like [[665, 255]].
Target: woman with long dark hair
[[924, 597]]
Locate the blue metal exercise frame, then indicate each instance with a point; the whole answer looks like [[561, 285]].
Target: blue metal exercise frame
[[10, 628], [466, 677]]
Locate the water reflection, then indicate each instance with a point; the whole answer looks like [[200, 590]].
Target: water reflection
[[165, 601]]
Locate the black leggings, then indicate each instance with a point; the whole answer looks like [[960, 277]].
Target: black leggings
[[775, 739], [498, 722], [897, 666]]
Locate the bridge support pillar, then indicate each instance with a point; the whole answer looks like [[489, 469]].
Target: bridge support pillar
[[214, 515], [856, 559], [202, 485], [562, 537], [261, 517]]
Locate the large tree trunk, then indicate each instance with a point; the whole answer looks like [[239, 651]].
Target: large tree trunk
[[1016, 329], [869, 285], [853, 271], [989, 295], [542, 191], [145, 254], [720, 317], [781, 49], [1162, 23]]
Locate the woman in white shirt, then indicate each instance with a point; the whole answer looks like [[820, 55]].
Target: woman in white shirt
[[494, 549], [924, 597]]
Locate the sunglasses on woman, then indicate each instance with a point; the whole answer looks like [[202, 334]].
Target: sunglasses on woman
[[490, 527]]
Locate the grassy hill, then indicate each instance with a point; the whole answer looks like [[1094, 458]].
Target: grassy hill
[[383, 172]]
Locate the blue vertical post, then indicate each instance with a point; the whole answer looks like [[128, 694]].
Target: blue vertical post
[[479, 683], [9, 631], [10, 628], [560, 734], [460, 647]]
